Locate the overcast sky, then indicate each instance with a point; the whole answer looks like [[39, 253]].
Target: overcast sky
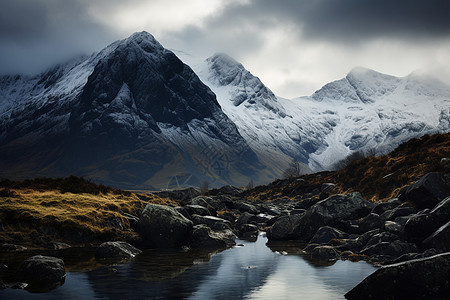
[[294, 46]]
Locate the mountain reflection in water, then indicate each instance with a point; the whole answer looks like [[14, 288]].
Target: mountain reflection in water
[[252, 271]]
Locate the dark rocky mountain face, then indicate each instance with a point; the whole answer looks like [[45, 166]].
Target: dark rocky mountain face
[[141, 117]]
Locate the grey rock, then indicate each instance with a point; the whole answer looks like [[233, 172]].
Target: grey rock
[[428, 191], [205, 237], [415, 279], [164, 227], [212, 222], [421, 225], [325, 252], [42, 273], [439, 239], [326, 234], [370, 222], [393, 249], [196, 209], [393, 227], [116, 250], [385, 206]]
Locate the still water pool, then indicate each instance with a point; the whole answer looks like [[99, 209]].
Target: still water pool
[[250, 271]]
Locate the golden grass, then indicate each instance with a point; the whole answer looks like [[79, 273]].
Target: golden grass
[[376, 178], [28, 214]]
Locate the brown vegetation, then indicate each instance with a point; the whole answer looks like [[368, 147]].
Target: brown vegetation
[[376, 178], [35, 212]]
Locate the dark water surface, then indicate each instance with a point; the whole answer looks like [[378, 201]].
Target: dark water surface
[[251, 271]]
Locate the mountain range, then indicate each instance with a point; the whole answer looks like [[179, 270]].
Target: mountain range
[[136, 115]]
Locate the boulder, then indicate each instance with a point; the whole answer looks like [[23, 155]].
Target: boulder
[[116, 250], [164, 227], [394, 249], [245, 207], [325, 252], [415, 279], [214, 223], [400, 211], [385, 206], [370, 222], [248, 231], [243, 219], [334, 211], [196, 209], [381, 237], [439, 239], [42, 273], [428, 191], [204, 237], [393, 227], [283, 228], [325, 234], [423, 224]]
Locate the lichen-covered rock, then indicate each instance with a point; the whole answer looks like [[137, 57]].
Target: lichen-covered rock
[[427, 278], [42, 273], [164, 227], [116, 250]]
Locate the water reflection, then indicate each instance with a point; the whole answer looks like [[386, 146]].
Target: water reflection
[[252, 271]]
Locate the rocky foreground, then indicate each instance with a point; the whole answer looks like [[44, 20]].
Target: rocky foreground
[[410, 234]]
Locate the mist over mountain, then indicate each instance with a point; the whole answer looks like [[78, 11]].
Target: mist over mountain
[[134, 115]]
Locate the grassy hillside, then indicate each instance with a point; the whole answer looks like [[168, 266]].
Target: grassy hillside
[[377, 178], [72, 210]]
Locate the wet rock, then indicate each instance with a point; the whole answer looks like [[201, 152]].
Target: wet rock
[[248, 231], [393, 227], [183, 211], [116, 250], [283, 228], [307, 203], [400, 211], [428, 191], [326, 234], [393, 249], [245, 207], [415, 279], [439, 239], [203, 201], [333, 211], [164, 227], [197, 209], [57, 246], [385, 206], [359, 242], [205, 237], [6, 247], [297, 211], [42, 273], [370, 222], [325, 252], [381, 237], [214, 223], [230, 217], [423, 224], [243, 219]]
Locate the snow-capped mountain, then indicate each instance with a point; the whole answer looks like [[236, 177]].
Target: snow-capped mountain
[[135, 115], [131, 115], [365, 111]]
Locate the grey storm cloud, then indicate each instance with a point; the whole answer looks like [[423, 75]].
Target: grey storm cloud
[[345, 20]]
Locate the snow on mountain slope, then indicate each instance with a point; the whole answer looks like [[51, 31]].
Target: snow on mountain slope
[[365, 111], [131, 115]]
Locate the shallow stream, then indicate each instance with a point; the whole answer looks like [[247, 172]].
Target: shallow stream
[[252, 270]]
